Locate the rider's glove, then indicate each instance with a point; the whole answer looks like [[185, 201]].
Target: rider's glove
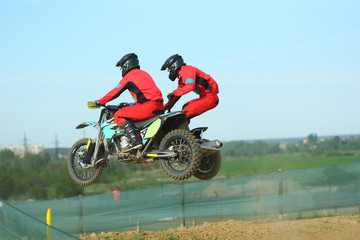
[[170, 95], [124, 104], [97, 103]]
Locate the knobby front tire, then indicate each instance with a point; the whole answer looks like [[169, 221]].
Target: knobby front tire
[[83, 177]]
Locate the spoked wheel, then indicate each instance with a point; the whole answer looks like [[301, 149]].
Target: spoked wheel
[[209, 167], [188, 154], [80, 175]]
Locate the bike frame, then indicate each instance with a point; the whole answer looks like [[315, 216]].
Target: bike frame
[[148, 130], [107, 129]]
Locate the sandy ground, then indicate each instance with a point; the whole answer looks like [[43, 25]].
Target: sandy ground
[[330, 228]]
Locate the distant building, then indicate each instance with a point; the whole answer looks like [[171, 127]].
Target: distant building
[[20, 150], [283, 145]]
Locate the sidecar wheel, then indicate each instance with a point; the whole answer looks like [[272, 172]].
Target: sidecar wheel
[[209, 167], [187, 148], [83, 177]]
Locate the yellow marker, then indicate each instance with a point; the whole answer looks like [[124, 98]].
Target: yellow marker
[[48, 222], [48, 217], [325, 213]]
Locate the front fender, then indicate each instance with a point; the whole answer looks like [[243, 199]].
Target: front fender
[[85, 124]]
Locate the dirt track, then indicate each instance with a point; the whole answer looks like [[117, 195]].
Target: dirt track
[[329, 228]]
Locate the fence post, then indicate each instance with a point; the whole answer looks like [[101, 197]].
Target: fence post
[[281, 193], [82, 229], [138, 226], [182, 205]]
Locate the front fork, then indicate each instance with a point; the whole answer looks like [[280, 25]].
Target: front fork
[[92, 152], [90, 147]]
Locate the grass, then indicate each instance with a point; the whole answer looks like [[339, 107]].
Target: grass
[[236, 167]]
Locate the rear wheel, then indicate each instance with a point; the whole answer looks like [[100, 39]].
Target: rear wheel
[[83, 176], [188, 154]]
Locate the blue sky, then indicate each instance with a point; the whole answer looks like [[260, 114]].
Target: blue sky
[[284, 68]]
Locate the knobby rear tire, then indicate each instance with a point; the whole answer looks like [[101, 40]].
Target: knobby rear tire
[[187, 147], [83, 177]]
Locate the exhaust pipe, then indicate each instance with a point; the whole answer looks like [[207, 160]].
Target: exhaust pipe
[[212, 145]]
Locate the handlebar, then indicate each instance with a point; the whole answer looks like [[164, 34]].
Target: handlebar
[[93, 105], [96, 105]]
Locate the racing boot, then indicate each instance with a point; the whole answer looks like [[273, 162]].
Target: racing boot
[[134, 138]]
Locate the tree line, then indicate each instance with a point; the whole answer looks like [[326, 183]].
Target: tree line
[[42, 177], [312, 144], [34, 176]]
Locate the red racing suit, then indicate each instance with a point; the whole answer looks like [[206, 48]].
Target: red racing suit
[[193, 79], [148, 98]]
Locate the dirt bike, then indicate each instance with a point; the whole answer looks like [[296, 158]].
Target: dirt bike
[[166, 138]]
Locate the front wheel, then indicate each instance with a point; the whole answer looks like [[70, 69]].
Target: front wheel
[[79, 175], [188, 154]]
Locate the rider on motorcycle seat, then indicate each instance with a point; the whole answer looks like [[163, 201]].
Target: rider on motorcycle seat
[[191, 79], [148, 98]]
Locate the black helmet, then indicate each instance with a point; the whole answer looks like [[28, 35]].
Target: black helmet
[[173, 65], [128, 62]]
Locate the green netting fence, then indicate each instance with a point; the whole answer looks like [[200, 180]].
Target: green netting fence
[[16, 224], [274, 194]]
